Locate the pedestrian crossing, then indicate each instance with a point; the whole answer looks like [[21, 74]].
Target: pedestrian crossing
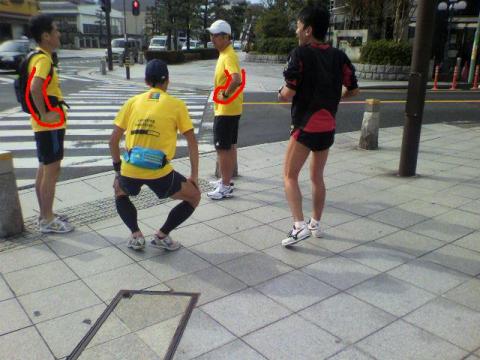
[[89, 126]]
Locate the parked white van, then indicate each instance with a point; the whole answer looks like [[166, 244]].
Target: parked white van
[[158, 43]]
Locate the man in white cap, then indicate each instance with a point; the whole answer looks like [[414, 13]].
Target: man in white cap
[[227, 116]]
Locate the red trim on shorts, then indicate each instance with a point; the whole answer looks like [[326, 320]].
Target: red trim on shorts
[[321, 121], [296, 134]]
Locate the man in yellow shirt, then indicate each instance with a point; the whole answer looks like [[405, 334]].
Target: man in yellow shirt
[[49, 139], [227, 116], [150, 122]]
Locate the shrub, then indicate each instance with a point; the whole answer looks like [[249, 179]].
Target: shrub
[[386, 52], [177, 57], [277, 46], [273, 23]]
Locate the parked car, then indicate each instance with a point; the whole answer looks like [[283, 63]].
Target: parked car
[[210, 45], [12, 52], [119, 47], [158, 43], [194, 44]]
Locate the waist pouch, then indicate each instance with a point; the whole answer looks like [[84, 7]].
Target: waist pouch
[[146, 158]]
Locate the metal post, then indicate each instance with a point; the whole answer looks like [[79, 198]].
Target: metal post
[[473, 59], [446, 59], [417, 86], [11, 219], [109, 41]]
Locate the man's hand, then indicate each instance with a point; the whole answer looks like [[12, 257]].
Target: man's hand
[[51, 117], [194, 181]]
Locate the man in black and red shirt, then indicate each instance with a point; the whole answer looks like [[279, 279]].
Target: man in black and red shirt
[[315, 77]]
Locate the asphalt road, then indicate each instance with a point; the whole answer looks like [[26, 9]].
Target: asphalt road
[[264, 120]]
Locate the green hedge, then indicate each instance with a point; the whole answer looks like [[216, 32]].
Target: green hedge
[[277, 46], [386, 52], [177, 57]]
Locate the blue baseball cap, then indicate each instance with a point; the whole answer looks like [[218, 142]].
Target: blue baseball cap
[[156, 71]]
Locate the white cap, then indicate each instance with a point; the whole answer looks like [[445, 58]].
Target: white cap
[[220, 26]]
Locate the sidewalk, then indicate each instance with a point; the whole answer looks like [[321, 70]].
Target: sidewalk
[[397, 275]]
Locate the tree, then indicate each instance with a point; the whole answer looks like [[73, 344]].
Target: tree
[[403, 12]]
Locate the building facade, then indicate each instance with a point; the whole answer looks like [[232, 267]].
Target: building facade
[[14, 17]]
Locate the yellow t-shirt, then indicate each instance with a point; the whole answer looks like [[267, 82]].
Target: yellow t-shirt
[[159, 116], [228, 60], [43, 63]]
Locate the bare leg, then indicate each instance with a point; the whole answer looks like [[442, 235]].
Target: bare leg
[[47, 189], [38, 182], [317, 165], [295, 158], [226, 162]]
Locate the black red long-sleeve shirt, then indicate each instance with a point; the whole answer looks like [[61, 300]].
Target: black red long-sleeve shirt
[[317, 73]]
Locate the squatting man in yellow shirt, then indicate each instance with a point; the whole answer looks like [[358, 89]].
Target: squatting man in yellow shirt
[[150, 122], [227, 116], [49, 140]]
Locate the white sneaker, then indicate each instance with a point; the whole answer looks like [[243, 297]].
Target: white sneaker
[[315, 230], [136, 243], [296, 235], [166, 243], [221, 192], [55, 226], [217, 182], [60, 216]]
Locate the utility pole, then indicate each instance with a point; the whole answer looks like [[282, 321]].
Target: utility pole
[[106, 6], [417, 85], [473, 59]]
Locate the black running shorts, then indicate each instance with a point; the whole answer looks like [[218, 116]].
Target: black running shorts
[[49, 145], [225, 131], [163, 187], [314, 141]]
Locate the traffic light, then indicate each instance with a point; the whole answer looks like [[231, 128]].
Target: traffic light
[[135, 8], [106, 5]]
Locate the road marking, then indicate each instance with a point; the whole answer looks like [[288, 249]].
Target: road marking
[[363, 102]]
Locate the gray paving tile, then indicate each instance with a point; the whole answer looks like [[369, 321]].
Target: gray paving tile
[[461, 218], [473, 206], [24, 344], [467, 294], [220, 250], [250, 311], [340, 272], [201, 335], [333, 216], [235, 350], [115, 222], [118, 235], [270, 213], [80, 241], [347, 317], [441, 230], [450, 321], [255, 268], [366, 230], [39, 277], [260, 237], [305, 253], [456, 258], [5, 292], [398, 217], [409, 242], [210, 211], [57, 301], [243, 203], [174, 264], [429, 276], [305, 340], [76, 325], [377, 257], [390, 294], [129, 346], [400, 341], [98, 261], [425, 208], [471, 241], [212, 283], [195, 234], [12, 316], [296, 290], [17, 259], [351, 353], [233, 223], [466, 191], [132, 277]]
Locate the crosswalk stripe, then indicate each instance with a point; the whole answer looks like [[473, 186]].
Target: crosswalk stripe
[[76, 78], [87, 114]]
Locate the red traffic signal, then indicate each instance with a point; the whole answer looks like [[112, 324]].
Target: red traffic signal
[[135, 8]]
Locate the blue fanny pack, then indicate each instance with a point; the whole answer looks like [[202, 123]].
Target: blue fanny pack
[[146, 158]]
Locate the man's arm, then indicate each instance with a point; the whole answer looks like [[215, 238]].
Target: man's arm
[[114, 143], [193, 155], [286, 94], [39, 101], [349, 93], [236, 82]]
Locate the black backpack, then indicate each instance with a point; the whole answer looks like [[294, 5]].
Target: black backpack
[[20, 84]]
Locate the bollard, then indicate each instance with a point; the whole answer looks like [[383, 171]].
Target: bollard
[[435, 81], [11, 219], [131, 60], [127, 70], [475, 79], [454, 81], [103, 67], [370, 125], [140, 57]]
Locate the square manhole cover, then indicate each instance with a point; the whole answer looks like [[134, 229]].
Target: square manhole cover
[[136, 325]]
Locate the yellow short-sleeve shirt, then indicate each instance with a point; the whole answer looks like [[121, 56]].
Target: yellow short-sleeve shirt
[[228, 60], [152, 120], [42, 64]]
